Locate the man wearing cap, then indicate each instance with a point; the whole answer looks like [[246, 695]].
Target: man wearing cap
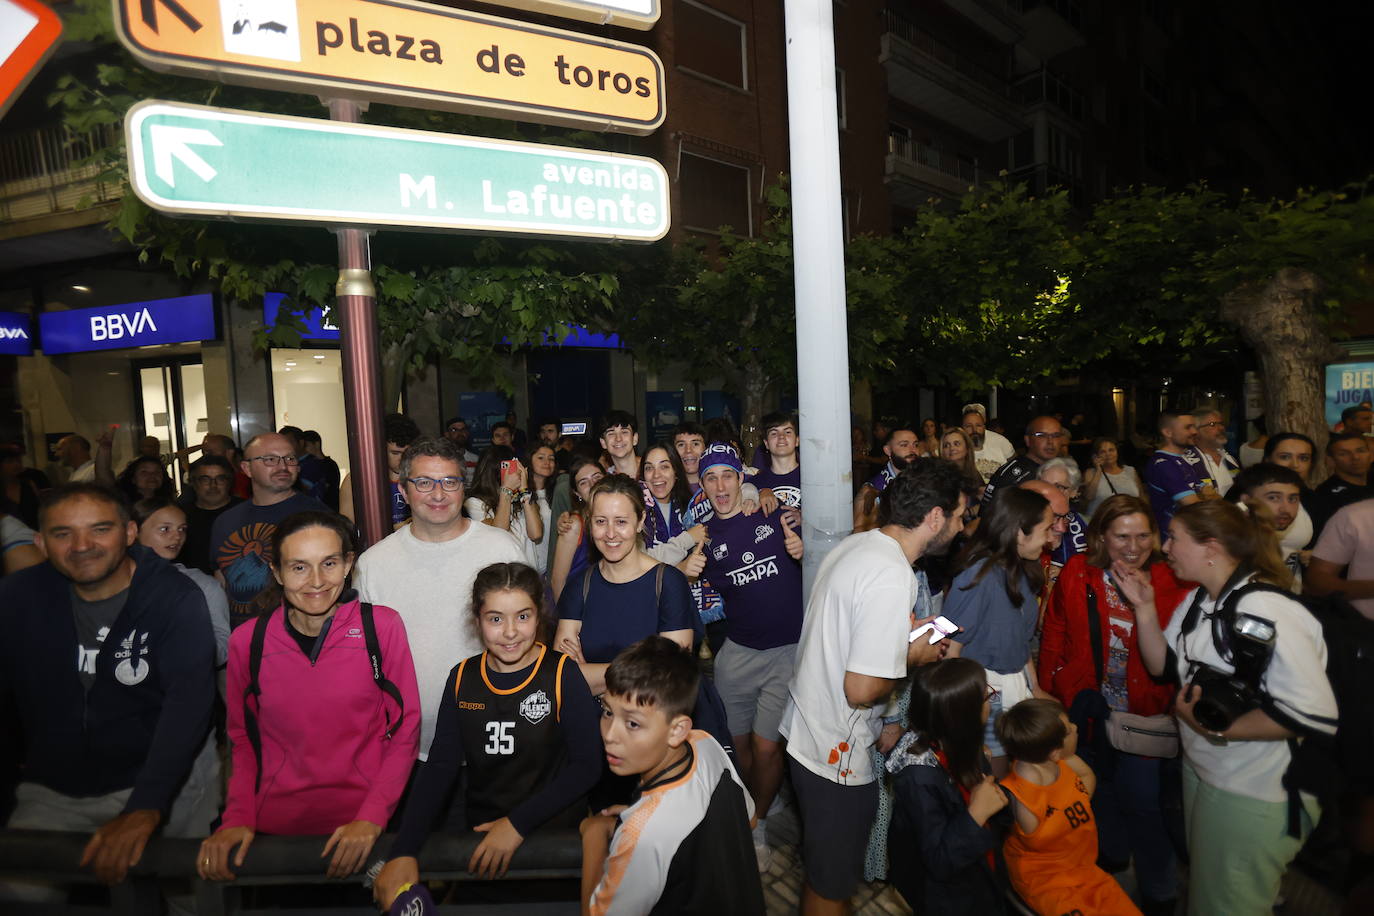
[[753, 561]]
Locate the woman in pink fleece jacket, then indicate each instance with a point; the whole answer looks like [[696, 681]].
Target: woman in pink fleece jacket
[[327, 764]]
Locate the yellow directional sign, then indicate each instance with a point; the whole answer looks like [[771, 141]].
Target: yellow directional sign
[[403, 52]]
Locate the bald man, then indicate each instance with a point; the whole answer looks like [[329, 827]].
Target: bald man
[[1043, 435]]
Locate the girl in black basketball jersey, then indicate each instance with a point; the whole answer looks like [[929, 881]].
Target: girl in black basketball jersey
[[522, 719]]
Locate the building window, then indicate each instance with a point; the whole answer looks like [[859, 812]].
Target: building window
[[712, 194], [710, 44]]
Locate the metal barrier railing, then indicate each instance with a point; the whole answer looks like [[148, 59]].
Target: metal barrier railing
[[50, 169], [272, 860], [897, 24], [906, 148]]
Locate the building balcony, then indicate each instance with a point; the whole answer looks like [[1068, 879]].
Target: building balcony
[[939, 80], [1050, 27], [994, 17], [1042, 178], [915, 172], [1044, 86], [45, 175]]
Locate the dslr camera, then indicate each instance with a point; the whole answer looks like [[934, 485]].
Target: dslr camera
[[1225, 697]]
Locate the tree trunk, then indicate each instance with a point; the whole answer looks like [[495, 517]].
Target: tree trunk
[[754, 387], [395, 358], [1278, 319]]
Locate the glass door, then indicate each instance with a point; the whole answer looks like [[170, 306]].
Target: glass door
[[172, 394]]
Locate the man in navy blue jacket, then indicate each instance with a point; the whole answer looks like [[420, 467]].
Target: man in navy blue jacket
[[109, 661]]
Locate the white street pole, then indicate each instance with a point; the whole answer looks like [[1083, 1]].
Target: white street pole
[[818, 258]]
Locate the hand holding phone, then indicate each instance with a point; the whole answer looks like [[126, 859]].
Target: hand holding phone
[[938, 629]]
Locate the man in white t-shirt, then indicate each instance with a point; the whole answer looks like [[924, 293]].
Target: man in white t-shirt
[[425, 570], [1347, 542], [854, 652], [991, 449]]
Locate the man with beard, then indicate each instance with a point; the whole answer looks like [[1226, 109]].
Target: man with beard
[[991, 449], [1217, 463], [241, 539], [854, 651], [456, 431], [901, 448], [1043, 435], [109, 662]]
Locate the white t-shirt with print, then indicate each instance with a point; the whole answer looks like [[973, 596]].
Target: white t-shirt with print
[[997, 450], [1295, 678], [857, 620]]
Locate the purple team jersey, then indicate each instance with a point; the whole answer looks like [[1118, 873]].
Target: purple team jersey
[[786, 487], [1170, 478], [747, 561]]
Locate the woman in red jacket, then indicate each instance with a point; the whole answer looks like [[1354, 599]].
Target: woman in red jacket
[[1076, 656]]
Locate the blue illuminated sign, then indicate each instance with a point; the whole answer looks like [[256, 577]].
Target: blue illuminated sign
[[315, 326], [15, 337], [134, 324]]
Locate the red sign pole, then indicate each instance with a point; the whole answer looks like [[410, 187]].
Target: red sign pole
[[362, 370]]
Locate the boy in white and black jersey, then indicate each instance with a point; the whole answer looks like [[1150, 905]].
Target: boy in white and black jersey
[[684, 845]]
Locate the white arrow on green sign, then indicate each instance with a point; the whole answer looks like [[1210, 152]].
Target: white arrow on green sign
[[212, 162]]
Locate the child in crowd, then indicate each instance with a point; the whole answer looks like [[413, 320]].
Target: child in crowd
[[1051, 851], [947, 819], [684, 845], [520, 717]]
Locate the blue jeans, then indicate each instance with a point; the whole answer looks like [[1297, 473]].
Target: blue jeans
[[1131, 825]]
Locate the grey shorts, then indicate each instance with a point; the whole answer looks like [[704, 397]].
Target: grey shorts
[[753, 685]]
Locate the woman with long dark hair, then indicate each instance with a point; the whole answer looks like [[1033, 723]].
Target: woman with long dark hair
[[943, 838], [145, 478], [500, 497], [572, 553], [995, 599], [1089, 644], [543, 475], [1245, 819]]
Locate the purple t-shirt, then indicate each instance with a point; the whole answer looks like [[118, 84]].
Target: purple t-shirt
[[747, 562], [1169, 478], [786, 487]]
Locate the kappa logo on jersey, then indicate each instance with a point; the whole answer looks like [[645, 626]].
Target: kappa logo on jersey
[[720, 550], [762, 532], [747, 557], [766, 568], [536, 707], [133, 666]]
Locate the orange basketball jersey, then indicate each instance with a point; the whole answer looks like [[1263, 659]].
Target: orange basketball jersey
[[1054, 869]]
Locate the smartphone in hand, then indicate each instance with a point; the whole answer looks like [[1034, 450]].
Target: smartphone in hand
[[938, 629]]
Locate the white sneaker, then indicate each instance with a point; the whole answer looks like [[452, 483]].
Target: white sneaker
[[762, 852]]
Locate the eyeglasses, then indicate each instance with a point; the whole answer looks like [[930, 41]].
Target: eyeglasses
[[1047, 435], [1210, 425], [425, 484], [206, 478], [1061, 518], [271, 461]]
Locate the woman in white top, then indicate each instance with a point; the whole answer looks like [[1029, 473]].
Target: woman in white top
[[543, 473], [1107, 478], [1236, 807], [500, 497]]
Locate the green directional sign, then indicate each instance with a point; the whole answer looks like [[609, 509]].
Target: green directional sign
[[212, 162]]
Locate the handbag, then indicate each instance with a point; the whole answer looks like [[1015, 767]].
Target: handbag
[[1145, 736]]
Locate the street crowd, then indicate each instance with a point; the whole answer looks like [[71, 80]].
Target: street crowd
[[1021, 678]]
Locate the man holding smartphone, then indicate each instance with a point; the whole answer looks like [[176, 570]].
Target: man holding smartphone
[[855, 650]]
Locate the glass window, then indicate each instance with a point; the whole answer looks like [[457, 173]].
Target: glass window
[[713, 194], [307, 391], [710, 43]]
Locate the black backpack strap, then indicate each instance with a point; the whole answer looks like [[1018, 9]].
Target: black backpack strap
[[1095, 636], [254, 690], [374, 657], [658, 583], [586, 586]]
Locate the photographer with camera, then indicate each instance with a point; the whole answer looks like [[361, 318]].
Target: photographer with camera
[[1253, 668]]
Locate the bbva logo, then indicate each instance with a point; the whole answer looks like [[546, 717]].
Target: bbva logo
[[113, 327], [13, 334]]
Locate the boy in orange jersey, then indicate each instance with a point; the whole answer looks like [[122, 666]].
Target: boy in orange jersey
[[1051, 852]]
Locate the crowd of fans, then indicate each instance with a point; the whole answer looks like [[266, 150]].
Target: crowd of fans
[[1028, 671]]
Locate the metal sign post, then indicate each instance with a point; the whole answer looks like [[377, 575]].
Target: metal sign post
[[818, 259]]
